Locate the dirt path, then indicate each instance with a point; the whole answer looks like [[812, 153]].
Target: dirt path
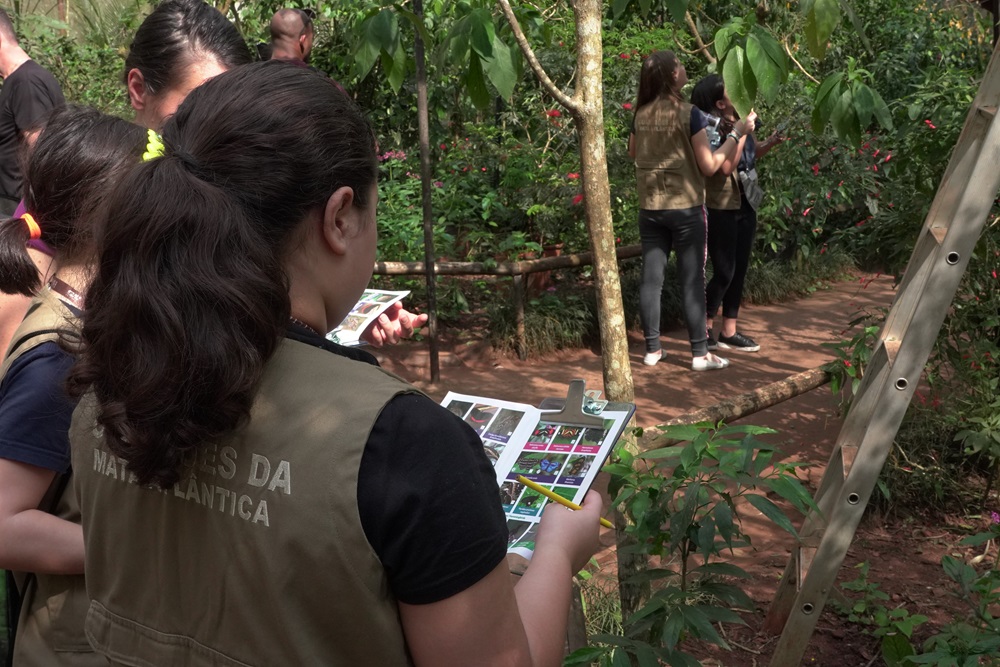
[[791, 337]]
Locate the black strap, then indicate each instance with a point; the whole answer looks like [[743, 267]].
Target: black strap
[[26, 337]]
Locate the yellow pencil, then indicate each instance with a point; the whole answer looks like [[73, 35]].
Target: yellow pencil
[[556, 498]]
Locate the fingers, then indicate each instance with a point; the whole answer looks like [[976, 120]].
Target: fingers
[[390, 331]]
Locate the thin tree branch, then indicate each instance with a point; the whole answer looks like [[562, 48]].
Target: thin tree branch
[[697, 38], [797, 63], [550, 87]]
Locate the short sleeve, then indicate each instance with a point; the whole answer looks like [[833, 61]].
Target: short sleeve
[[429, 501], [699, 120], [35, 411], [35, 98]]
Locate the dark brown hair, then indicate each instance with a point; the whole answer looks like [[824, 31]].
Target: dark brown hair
[[175, 34], [658, 78], [78, 155], [190, 298]]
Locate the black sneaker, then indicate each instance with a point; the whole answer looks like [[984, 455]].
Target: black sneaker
[[738, 342], [712, 344]]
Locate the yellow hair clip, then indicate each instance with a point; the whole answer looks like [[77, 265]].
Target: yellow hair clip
[[154, 147]]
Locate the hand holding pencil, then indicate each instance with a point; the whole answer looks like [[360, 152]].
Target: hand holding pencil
[[555, 497]]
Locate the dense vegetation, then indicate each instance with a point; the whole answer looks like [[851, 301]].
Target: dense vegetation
[[506, 184]]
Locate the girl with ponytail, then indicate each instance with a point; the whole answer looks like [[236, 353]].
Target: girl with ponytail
[[78, 155], [251, 493]]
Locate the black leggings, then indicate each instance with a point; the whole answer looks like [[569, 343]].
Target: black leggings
[[730, 240], [684, 231]]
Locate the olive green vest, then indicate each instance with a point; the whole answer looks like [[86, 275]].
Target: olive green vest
[[50, 628], [665, 167], [258, 556], [723, 192]]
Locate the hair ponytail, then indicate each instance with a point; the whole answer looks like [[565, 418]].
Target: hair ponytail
[[18, 273], [79, 153], [190, 298]]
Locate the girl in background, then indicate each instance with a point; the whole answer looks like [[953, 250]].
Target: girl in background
[[672, 159], [78, 155], [177, 47], [265, 496], [732, 216]]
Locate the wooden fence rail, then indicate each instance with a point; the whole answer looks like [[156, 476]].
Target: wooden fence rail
[[516, 270]]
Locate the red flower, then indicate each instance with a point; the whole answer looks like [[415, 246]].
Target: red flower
[[877, 151], [627, 106], [553, 113], [815, 169], [806, 212], [847, 363], [444, 147], [624, 56], [994, 275], [929, 124], [577, 199], [572, 176], [888, 157]]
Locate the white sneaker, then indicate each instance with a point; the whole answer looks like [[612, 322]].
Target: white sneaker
[[709, 362], [652, 357]]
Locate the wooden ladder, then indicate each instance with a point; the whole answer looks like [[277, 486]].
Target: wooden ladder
[[946, 243]]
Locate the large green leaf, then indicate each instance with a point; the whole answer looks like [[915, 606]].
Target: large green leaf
[[771, 511], [385, 28], [483, 32], [677, 9], [417, 24], [394, 64], [826, 100], [369, 47], [723, 40], [882, 114], [701, 626], [500, 69], [475, 82], [822, 17], [864, 103], [732, 73], [765, 70], [895, 649], [619, 7], [845, 118]]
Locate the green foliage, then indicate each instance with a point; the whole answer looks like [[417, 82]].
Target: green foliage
[[969, 639], [685, 502], [552, 322], [893, 627], [852, 355], [751, 60]]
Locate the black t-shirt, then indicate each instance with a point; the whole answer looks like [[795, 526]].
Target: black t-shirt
[[27, 95], [427, 494]]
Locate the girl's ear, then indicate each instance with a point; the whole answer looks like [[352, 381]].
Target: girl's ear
[[135, 83], [721, 104], [338, 221]]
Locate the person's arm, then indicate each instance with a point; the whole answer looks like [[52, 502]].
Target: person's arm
[[710, 162], [764, 147], [32, 540], [494, 622], [729, 164]]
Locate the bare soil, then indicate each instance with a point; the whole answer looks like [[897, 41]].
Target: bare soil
[[904, 554]]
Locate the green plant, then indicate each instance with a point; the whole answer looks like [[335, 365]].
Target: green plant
[[966, 641], [852, 355], [892, 627], [552, 322], [685, 502]]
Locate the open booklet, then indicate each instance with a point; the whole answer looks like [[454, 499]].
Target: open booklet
[[519, 440], [373, 302]]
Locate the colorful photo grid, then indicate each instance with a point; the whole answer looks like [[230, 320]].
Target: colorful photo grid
[[494, 424], [519, 440], [371, 304]]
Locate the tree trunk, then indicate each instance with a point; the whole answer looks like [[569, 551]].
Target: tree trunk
[[618, 386], [589, 117], [423, 124]]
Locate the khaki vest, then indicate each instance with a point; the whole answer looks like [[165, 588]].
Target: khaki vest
[[50, 628], [258, 556], [665, 167], [723, 192]]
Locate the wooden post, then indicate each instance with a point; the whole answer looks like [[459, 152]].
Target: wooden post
[[522, 344]]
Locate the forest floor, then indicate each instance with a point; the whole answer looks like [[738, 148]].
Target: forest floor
[[904, 553]]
